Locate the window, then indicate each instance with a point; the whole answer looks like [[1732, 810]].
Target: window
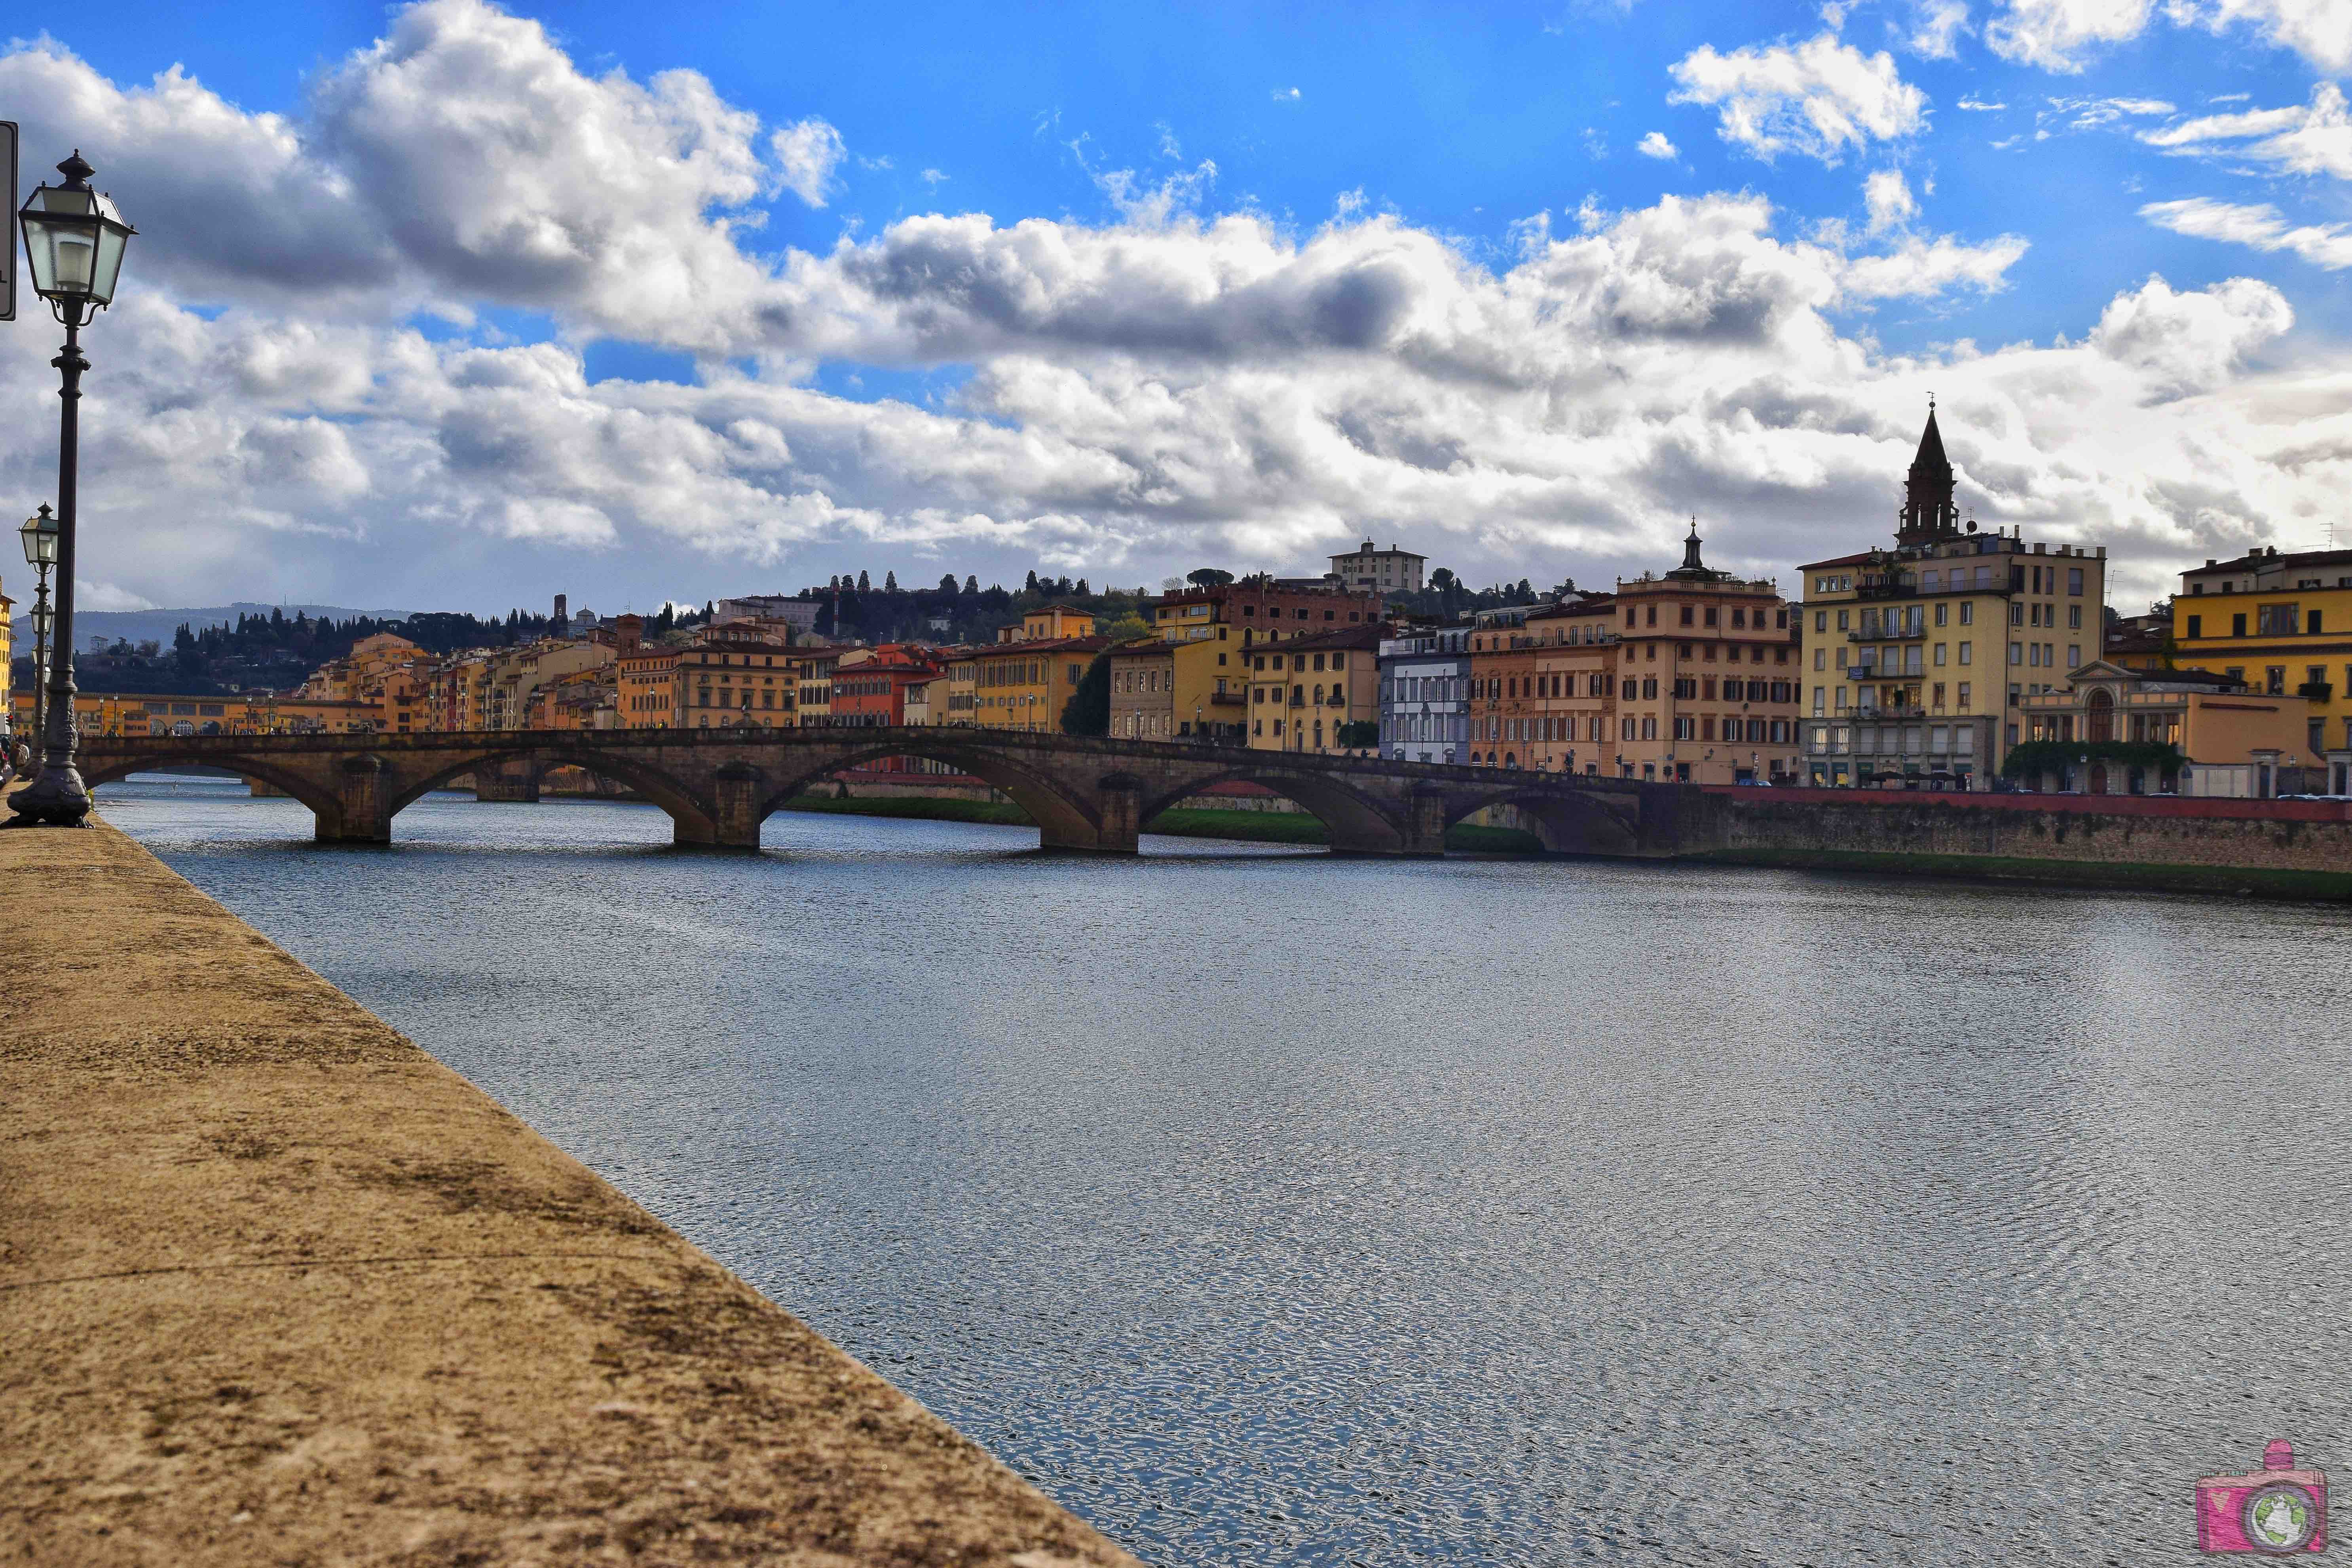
[[2313, 627], [2074, 656], [1940, 653], [2274, 681], [1649, 728], [1654, 616], [1819, 656], [2196, 626], [1686, 615], [1739, 617], [1650, 688], [1821, 620], [1969, 613], [2238, 625], [2017, 613], [1685, 730], [2017, 653], [2279, 620], [1841, 626], [2074, 581]]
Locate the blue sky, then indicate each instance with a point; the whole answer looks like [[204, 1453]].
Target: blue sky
[[1994, 175]]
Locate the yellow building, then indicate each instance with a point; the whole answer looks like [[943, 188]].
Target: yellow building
[[737, 673], [812, 685], [2282, 623], [1023, 681], [1302, 691], [1917, 658]]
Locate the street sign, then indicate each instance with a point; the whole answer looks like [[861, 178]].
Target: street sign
[[8, 251]]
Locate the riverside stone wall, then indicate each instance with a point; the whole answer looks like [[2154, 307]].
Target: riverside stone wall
[[2111, 830]]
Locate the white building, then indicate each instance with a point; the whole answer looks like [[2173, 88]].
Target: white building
[[1425, 696], [1390, 571]]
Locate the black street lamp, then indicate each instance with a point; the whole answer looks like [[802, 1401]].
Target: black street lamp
[[74, 238], [40, 536]]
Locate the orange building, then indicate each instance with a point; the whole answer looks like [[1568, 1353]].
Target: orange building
[[873, 693]]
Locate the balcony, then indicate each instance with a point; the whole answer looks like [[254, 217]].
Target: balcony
[[1870, 589], [2316, 690], [1861, 673], [1887, 711], [1888, 636]]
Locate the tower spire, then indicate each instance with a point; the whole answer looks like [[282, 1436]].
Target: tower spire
[[1929, 512]]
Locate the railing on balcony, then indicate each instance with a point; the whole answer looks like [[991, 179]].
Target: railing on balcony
[[1890, 634], [1888, 710], [2316, 690]]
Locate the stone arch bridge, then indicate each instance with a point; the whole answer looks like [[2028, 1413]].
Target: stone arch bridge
[[1084, 792]]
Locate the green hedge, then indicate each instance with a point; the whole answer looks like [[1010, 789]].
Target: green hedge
[[2035, 758]]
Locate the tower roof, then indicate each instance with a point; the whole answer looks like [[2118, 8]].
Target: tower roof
[[1930, 457]]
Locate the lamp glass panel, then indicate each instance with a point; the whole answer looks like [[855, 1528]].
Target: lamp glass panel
[[106, 267], [45, 544]]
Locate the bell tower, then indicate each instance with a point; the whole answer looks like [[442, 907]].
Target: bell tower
[[1927, 510]]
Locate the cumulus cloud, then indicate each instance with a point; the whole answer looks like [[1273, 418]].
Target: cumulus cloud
[[2263, 227], [1888, 196], [1655, 145], [1173, 385], [2319, 30], [1818, 99], [2308, 138], [806, 155], [2062, 35], [1935, 28]]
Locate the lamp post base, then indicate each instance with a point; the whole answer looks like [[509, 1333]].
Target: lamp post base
[[56, 799]]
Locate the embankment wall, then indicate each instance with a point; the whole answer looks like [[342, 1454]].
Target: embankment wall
[[2300, 846], [277, 1286]]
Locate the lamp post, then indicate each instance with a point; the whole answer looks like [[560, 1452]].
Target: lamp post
[[40, 536], [74, 238]]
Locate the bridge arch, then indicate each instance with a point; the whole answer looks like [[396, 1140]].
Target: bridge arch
[[1358, 823], [1565, 821], [1062, 821], [323, 802], [694, 817]]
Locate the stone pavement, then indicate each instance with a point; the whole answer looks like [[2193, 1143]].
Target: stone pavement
[[278, 1287]]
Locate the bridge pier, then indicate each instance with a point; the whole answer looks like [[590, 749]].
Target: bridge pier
[[360, 816], [739, 788], [1425, 824]]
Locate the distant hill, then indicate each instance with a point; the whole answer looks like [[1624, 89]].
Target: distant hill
[[134, 626]]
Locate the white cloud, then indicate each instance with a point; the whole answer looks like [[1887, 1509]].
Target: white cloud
[[1285, 95], [1888, 196], [1936, 30], [2312, 139], [933, 178], [2319, 30], [2263, 227], [1655, 145], [806, 155], [1980, 105], [104, 596], [1172, 385], [2060, 34], [1818, 98]]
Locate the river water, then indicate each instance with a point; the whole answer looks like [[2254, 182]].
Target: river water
[[1268, 1208]]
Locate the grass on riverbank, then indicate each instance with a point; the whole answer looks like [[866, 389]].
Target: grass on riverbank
[[1184, 822]]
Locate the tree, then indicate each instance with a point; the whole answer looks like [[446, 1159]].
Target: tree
[[948, 587], [972, 585], [1087, 712], [889, 582], [1031, 586], [1208, 577], [1083, 590], [864, 586], [1358, 734]]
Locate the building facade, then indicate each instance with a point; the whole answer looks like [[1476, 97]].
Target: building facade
[[1425, 696], [2280, 622], [1367, 570], [1311, 694], [1919, 658], [2240, 742], [1143, 691]]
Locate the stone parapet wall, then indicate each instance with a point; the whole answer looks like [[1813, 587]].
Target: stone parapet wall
[[2281, 836]]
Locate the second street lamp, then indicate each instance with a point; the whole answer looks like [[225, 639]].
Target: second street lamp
[[40, 536], [74, 238]]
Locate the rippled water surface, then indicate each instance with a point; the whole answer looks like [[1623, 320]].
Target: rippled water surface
[[1269, 1208]]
